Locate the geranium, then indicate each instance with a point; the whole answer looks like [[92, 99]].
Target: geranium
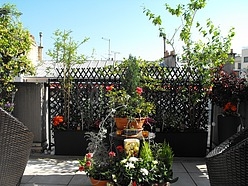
[[92, 167], [228, 90], [129, 105], [230, 109], [58, 122]]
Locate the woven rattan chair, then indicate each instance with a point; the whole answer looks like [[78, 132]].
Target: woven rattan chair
[[15, 145], [227, 164]]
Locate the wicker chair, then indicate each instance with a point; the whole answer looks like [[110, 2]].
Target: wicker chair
[[15, 145], [227, 164]]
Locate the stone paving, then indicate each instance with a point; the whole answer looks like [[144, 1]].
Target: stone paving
[[62, 171]]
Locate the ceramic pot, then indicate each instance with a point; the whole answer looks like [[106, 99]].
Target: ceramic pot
[[98, 182], [122, 123]]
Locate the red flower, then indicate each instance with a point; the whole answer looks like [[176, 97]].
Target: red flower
[[88, 163], [57, 120], [81, 168], [139, 90], [134, 183], [112, 154], [120, 148], [109, 88]]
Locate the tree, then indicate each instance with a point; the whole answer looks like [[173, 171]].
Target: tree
[[205, 54], [15, 43], [65, 53]]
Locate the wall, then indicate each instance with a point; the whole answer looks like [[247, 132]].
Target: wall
[[30, 108]]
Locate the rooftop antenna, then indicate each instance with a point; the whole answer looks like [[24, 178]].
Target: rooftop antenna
[[108, 46], [40, 33], [115, 54]]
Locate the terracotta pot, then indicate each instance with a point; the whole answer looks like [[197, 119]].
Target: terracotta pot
[[122, 123], [98, 182]]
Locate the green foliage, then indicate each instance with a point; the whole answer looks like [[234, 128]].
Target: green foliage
[[204, 54], [131, 78], [146, 152], [15, 43], [65, 53]]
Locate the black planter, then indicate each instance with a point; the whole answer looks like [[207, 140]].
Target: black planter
[[70, 143], [185, 144], [227, 126]]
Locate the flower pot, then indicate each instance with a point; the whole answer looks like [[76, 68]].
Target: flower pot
[[131, 146], [122, 123], [227, 126], [70, 142], [185, 144], [98, 182]]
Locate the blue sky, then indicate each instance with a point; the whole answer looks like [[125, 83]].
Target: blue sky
[[124, 23]]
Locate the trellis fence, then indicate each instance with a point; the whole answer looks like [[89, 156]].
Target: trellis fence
[[178, 94]]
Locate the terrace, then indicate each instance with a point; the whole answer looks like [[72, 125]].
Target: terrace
[[51, 170]]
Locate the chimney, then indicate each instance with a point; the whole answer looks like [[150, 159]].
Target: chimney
[[40, 48]]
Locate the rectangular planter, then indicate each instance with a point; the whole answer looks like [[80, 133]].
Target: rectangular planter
[[185, 144], [70, 143]]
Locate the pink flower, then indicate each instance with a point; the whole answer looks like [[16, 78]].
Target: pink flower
[[89, 155], [139, 90], [112, 154]]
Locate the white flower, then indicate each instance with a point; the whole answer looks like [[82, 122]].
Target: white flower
[[130, 165], [144, 171], [155, 162], [133, 159], [123, 161]]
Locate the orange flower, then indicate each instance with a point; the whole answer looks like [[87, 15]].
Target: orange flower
[[109, 88], [230, 107], [57, 120], [234, 108]]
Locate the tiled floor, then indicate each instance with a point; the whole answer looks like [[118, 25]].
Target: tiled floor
[[61, 171]]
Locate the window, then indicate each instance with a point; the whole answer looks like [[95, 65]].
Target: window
[[245, 59]]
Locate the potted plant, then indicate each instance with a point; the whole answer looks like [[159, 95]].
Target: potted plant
[[129, 106], [122, 164], [185, 121], [152, 166], [198, 58], [69, 139], [228, 92]]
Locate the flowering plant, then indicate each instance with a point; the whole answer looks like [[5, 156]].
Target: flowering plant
[[58, 123], [129, 105], [228, 91], [99, 170], [153, 165]]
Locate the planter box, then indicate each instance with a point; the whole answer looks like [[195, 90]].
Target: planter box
[[227, 126], [70, 143], [185, 144]]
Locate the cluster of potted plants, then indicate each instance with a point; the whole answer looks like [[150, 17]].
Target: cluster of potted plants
[[228, 92], [148, 164]]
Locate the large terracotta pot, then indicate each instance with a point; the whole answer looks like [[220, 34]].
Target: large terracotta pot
[[98, 182], [122, 123]]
